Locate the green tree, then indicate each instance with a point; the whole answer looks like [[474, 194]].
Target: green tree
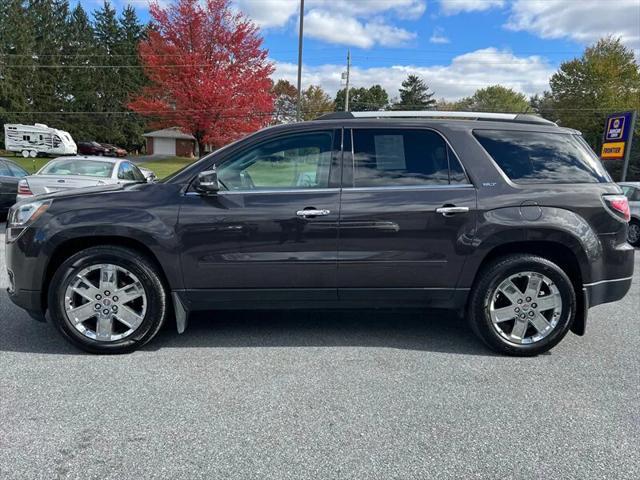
[[415, 95], [132, 78], [45, 83], [80, 80], [16, 61], [315, 102], [285, 102], [495, 98], [109, 82], [604, 80], [363, 99]]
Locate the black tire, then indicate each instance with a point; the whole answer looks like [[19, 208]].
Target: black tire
[[157, 309], [488, 281], [634, 224]]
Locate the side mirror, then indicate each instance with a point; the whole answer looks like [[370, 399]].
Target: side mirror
[[207, 182]]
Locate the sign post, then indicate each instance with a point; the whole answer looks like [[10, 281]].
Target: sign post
[[618, 136]]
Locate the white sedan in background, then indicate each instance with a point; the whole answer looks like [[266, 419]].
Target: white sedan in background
[[66, 173]]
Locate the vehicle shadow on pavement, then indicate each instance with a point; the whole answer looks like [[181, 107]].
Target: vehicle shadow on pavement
[[411, 330], [437, 331]]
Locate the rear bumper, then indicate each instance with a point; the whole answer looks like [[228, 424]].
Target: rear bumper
[[606, 291]]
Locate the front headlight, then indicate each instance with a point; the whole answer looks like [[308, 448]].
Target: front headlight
[[22, 215]]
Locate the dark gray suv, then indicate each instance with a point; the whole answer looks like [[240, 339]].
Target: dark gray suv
[[508, 219]]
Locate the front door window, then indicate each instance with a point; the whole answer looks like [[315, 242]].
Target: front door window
[[295, 162]]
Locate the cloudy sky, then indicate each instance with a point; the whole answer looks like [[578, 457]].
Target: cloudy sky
[[457, 46]]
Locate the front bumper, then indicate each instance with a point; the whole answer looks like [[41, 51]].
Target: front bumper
[[29, 300], [26, 269]]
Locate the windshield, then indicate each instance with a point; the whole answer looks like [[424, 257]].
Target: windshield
[[86, 168]]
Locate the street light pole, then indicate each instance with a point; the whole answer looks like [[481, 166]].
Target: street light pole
[[299, 104]]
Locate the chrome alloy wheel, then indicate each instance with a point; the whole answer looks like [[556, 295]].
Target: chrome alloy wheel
[[105, 302], [525, 308]]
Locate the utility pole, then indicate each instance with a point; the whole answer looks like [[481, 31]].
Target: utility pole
[[346, 93], [299, 104], [627, 153]]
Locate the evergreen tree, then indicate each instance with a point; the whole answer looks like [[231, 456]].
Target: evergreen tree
[[80, 82], [109, 83], [133, 79], [415, 95], [48, 22], [16, 45]]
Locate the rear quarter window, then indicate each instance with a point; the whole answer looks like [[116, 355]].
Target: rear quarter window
[[542, 157]]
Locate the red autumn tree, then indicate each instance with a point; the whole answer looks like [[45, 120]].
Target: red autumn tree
[[208, 72]]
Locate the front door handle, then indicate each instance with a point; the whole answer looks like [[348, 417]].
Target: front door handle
[[312, 213], [446, 211]]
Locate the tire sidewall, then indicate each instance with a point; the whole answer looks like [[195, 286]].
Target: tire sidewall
[[156, 310], [502, 270]]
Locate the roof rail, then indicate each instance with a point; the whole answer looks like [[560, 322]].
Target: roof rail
[[509, 117]]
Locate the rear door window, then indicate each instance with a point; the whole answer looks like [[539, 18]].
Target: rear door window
[[403, 157], [542, 157]]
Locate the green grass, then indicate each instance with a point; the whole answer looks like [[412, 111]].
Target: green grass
[[28, 163], [162, 168]]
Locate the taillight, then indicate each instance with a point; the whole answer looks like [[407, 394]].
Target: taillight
[[618, 205], [23, 188]]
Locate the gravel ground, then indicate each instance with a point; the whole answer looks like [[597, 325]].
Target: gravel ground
[[314, 395]]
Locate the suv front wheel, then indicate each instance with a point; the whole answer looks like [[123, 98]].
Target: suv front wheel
[[522, 305], [108, 299]]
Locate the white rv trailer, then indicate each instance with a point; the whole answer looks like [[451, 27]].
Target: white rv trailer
[[30, 140]]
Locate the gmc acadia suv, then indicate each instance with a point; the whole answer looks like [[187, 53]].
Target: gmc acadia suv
[[508, 219]]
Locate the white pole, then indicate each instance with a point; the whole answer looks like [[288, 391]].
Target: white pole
[[346, 95]]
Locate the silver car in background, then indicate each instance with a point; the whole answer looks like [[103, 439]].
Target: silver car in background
[[66, 173], [632, 192]]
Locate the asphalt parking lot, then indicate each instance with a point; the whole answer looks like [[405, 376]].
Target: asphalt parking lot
[[315, 395]]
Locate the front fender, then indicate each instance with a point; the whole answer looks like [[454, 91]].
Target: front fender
[[122, 225]]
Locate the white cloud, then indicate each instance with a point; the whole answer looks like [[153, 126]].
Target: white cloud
[[361, 23], [453, 7], [269, 13], [438, 36], [463, 76], [337, 28], [584, 21]]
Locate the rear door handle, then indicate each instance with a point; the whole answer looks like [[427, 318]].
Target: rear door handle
[[452, 210], [312, 213]]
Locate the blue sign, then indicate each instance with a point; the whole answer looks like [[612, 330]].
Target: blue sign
[[618, 127], [617, 135]]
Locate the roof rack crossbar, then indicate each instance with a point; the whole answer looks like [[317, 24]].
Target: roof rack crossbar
[[511, 117]]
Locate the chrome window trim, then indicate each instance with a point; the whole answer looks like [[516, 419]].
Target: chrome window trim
[[275, 191]]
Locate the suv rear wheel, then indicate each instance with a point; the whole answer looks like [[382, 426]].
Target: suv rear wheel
[[107, 300], [522, 305], [634, 233]]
